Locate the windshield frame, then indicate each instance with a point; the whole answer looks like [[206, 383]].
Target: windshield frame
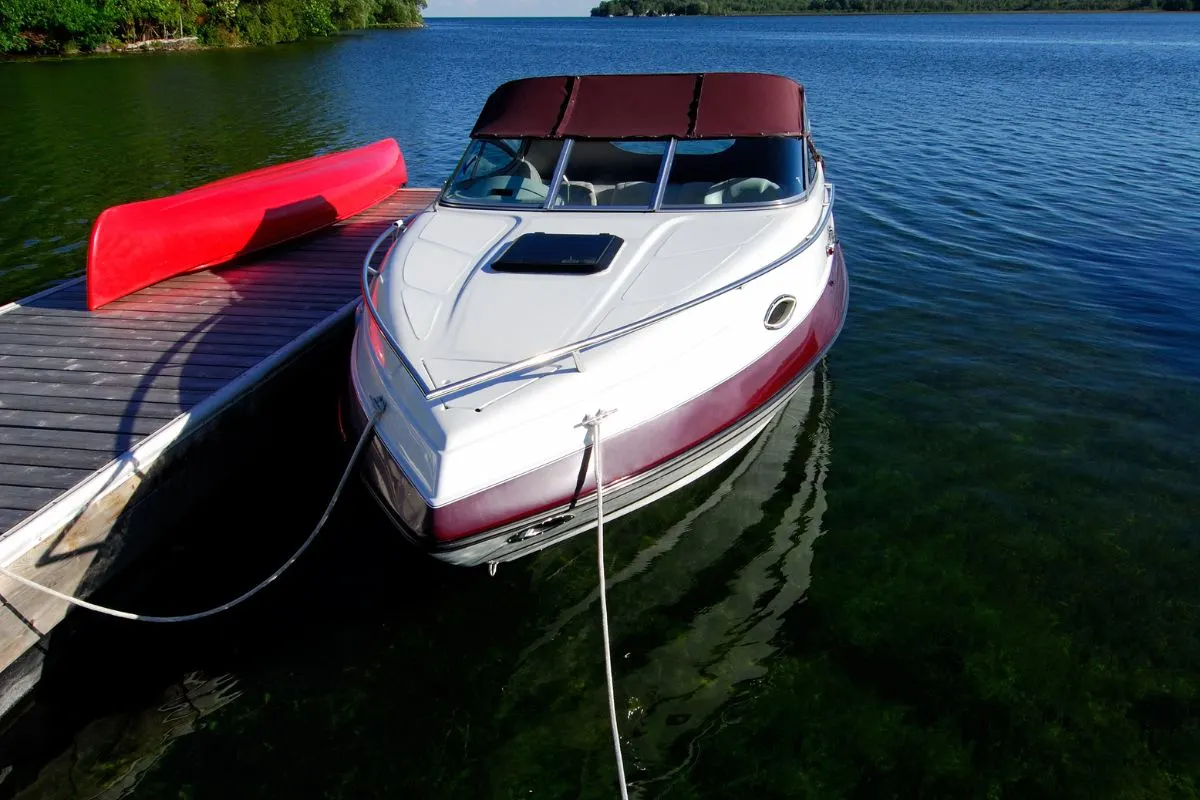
[[811, 162]]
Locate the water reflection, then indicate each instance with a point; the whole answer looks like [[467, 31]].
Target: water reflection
[[108, 759], [676, 696], [696, 607], [1010, 603], [82, 135]]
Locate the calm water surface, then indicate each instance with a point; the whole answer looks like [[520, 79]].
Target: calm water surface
[[966, 565]]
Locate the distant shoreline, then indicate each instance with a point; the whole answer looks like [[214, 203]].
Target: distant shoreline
[[654, 9], [891, 13], [188, 44]]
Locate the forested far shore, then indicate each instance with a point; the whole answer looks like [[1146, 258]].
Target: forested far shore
[[721, 8], [70, 26]]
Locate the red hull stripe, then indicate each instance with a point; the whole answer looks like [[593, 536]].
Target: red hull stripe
[[658, 440], [136, 245]]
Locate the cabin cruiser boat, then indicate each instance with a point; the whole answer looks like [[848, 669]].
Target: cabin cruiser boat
[[660, 248]]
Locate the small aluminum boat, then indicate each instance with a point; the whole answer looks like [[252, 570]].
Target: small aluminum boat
[[659, 247]]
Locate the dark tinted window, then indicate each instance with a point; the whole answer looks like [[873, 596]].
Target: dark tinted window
[[495, 171], [735, 171], [601, 173]]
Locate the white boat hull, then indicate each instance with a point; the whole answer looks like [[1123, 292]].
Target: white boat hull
[[557, 525], [533, 499]]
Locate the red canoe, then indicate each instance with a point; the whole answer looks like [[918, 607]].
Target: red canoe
[[138, 244]]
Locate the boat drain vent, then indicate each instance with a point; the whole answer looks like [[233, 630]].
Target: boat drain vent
[[541, 527]]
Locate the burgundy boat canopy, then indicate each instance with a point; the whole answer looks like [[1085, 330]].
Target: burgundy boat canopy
[[714, 105]]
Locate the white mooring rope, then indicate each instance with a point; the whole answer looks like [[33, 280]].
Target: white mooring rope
[[593, 424], [362, 440]]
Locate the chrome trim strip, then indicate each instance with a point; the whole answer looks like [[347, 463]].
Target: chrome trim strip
[[560, 169], [794, 200], [550, 356], [664, 173]]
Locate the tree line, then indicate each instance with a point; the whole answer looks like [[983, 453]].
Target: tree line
[[658, 8], [68, 26]]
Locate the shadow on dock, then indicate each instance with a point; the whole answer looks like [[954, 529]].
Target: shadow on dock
[[218, 520], [164, 402], [147, 371]]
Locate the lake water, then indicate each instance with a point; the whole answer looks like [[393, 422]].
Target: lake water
[[968, 565]]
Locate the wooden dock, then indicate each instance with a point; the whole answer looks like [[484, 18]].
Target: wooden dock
[[96, 408]]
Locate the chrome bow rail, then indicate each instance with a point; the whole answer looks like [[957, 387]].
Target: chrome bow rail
[[574, 348]]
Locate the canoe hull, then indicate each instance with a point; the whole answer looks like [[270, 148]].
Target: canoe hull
[[136, 245]]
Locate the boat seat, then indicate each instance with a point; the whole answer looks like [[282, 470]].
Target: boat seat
[[637, 194], [687, 194], [576, 193], [523, 169], [632, 193], [742, 190], [504, 189]]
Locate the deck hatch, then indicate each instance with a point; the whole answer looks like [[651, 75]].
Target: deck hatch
[[560, 253]]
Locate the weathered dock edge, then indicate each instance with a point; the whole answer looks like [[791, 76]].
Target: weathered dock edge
[[88, 514], [87, 534]]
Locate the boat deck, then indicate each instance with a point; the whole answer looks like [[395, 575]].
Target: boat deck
[[88, 399]]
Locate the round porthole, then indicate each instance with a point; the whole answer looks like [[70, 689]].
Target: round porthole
[[779, 312]]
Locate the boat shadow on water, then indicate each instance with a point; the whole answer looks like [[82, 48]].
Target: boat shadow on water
[[700, 600], [366, 635]]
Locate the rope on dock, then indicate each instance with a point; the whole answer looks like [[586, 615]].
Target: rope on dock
[[592, 423], [112, 612]]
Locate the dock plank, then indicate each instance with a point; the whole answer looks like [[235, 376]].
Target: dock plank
[[9, 517], [67, 320], [34, 456], [117, 367], [136, 385], [280, 293], [116, 424], [69, 337], [195, 322], [196, 353], [152, 303], [41, 477], [269, 277], [250, 293], [28, 498], [72, 440], [87, 405], [10, 389]]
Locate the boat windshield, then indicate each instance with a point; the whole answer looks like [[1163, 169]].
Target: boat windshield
[[633, 175], [505, 172]]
